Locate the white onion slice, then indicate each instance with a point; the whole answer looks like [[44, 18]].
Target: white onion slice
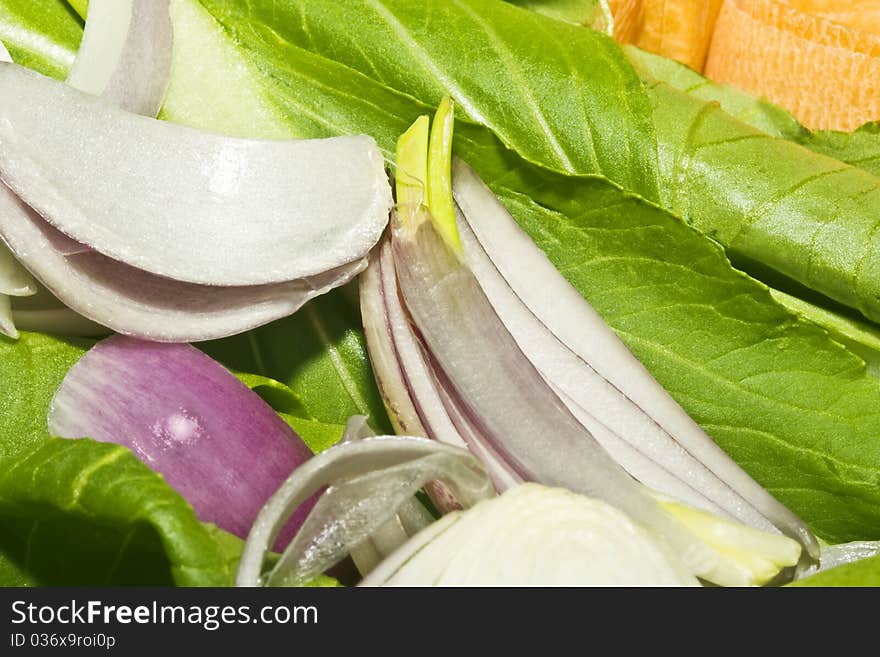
[[372, 477], [497, 388], [14, 279], [137, 303], [125, 54], [596, 374], [533, 536], [185, 204]]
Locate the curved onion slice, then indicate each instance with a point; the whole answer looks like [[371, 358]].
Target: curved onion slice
[[599, 379], [368, 480], [186, 204], [415, 399], [135, 302], [533, 536], [410, 518], [125, 54], [495, 386], [15, 280], [187, 417]]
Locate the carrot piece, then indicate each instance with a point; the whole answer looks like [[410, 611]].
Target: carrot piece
[[859, 14], [679, 29], [826, 73]]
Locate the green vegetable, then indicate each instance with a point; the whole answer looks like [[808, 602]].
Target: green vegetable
[[590, 13], [41, 34], [80, 512], [794, 407], [860, 148], [865, 572]]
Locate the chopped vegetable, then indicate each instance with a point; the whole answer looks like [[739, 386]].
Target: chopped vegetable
[[533, 536], [125, 54], [824, 72], [274, 209], [368, 480], [187, 417]]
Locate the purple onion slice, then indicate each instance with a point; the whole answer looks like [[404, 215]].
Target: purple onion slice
[[185, 416]]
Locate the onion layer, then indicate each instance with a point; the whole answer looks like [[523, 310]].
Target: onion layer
[[214, 440]]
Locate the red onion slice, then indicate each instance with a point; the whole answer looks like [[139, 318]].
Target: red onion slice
[[186, 204], [125, 54], [416, 401], [187, 417]]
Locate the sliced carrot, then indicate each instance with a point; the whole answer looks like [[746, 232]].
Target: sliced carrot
[[859, 14], [679, 29], [826, 73], [628, 16]]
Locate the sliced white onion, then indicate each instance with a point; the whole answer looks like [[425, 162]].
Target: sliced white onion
[[14, 279], [185, 204], [597, 376], [368, 480], [125, 54], [533, 536], [523, 422], [134, 302]]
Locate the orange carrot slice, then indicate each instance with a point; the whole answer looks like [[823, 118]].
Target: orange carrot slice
[[859, 14], [679, 29], [824, 72], [628, 16]]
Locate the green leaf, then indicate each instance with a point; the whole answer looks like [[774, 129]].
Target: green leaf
[[320, 354], [590, 13], [41, 34], [31, 369], [796, 408], [578, 118], [317, 435], [756, 112], [860, 148], [78, 512], [865, 572]]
